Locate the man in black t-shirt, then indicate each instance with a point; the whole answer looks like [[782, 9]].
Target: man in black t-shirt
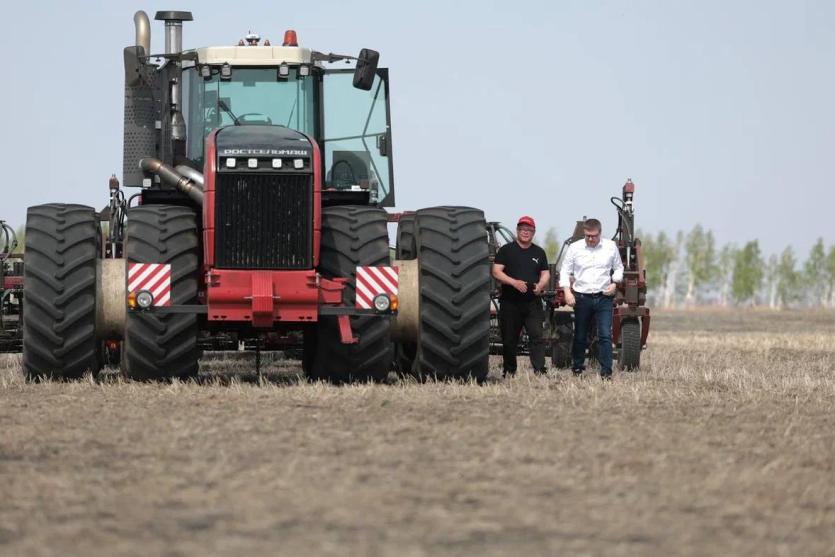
[[522, 269]]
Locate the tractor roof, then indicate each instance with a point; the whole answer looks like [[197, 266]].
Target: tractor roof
[[253, 55]]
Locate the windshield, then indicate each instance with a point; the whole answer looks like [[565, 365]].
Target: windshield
[[254, 96]]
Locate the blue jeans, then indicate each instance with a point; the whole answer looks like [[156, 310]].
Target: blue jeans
[[600, 307]]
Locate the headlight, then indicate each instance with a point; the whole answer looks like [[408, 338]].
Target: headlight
[[144, 299], [382, 302]]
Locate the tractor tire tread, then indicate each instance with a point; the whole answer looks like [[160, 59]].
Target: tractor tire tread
[[630, 350], [352, 236], [454, 315], [59, 333], [164, 346]]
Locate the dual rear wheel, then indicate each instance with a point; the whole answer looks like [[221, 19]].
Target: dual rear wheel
[[61, 275], [453, 329], [450, 246]]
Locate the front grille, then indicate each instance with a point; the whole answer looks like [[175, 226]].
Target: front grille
[[264, 221]]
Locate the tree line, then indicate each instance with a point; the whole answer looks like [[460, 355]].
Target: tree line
[[690, 269]]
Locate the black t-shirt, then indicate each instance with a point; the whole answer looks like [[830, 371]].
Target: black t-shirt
[[521, 264]]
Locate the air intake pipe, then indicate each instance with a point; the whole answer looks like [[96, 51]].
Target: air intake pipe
[[174, 45], [173, 29], [171, 177]]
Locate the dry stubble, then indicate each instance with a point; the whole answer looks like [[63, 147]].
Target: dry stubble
[[724, 444]]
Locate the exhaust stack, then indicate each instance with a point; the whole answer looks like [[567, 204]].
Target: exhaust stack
[[174, 45], [173, 29], [143, 31]]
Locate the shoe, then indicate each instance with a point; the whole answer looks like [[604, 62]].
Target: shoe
[[606, 376], [577, 372]]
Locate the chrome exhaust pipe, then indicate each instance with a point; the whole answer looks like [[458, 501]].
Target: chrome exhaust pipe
[[171, 177], [193, 175], [143, 31]]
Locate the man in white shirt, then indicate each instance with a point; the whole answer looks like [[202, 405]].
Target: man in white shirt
[[595, 265]]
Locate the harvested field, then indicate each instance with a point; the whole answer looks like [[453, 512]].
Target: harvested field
[[723, 444]]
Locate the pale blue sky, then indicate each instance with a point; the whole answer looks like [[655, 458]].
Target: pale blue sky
[[721, 112]]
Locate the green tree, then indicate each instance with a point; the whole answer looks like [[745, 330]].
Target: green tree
[[658, 253], [830, 275], [551, 245], [787, 278], [747, 273], [671, 283], [726, 259], [700, 249], [814, 274], [770, 281]]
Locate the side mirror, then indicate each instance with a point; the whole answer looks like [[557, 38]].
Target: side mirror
[[366, 69]]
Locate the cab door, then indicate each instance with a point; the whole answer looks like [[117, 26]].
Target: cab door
[[356, 137]]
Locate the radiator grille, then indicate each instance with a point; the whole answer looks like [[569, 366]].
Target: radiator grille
[[264, 221]]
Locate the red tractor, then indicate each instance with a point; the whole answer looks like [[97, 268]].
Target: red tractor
[[260, 178]]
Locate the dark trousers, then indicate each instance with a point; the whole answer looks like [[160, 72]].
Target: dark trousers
[[600, 308], [512, 317]]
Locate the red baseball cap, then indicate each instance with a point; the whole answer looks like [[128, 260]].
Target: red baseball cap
[[526, 220]]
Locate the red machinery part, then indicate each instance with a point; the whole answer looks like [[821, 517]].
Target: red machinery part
[[263, 297], [620, 313], [12, 282], [209, 173]]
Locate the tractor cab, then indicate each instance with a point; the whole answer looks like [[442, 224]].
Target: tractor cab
[[345, 111], [256, 84]]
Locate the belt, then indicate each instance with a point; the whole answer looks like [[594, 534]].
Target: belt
[[590, 295]]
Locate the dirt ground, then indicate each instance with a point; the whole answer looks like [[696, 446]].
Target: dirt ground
[[723, 445]]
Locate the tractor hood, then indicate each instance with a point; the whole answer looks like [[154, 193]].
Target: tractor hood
[[262, 142]]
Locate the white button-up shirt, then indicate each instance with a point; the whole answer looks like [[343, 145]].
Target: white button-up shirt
[[594, 268]]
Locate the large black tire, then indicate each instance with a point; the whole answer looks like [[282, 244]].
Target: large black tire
[[406, 244], [352, 236], [454, 328], [164, 346], [59, 324], [630, 345]]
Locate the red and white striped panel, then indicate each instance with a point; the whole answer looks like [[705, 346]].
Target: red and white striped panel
[[153, 277], [375, 280]]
